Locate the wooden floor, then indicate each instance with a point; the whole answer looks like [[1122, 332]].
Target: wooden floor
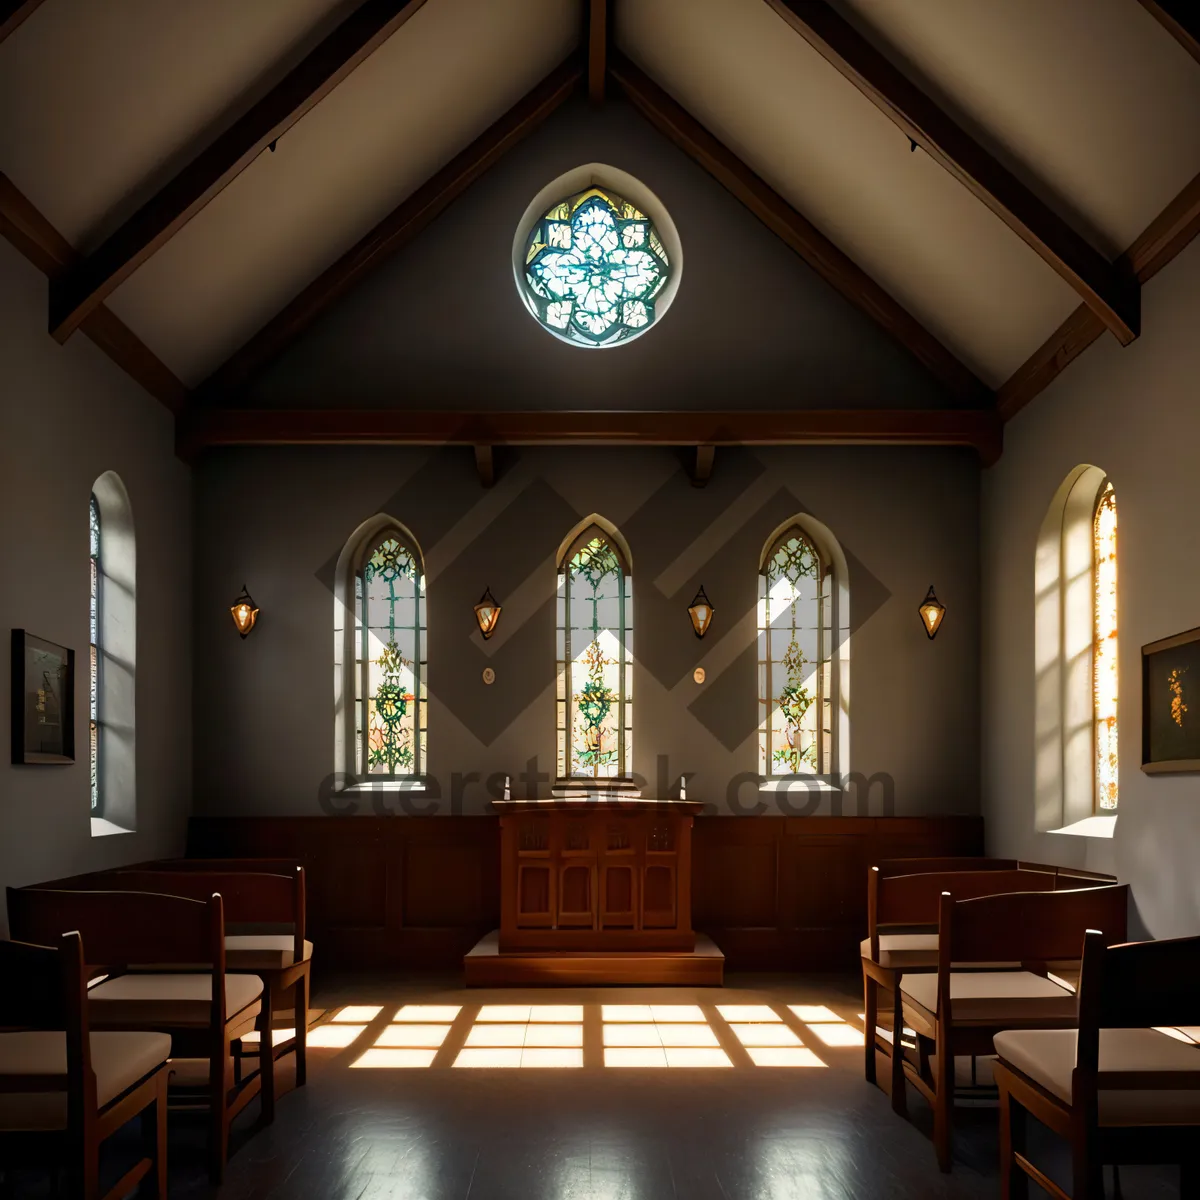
[[742, 1132]]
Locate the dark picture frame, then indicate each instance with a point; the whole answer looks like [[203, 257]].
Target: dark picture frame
[[1171, 704], [43, 701]]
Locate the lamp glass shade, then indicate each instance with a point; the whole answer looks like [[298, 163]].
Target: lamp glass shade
[[487, 613], [701, 612], [244, 612], [932, 612]]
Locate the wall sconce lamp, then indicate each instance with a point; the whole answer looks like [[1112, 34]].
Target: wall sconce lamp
[[701, 612], [932, 612], [244, 612], [487, 613]]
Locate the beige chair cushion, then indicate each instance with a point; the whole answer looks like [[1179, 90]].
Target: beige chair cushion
[[261, 951], [904, 951], [1047, 1056], [119, 1060], [171, 1000], [994, 996]]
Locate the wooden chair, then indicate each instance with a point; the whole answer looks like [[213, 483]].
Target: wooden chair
[[282, 961], [959, 1011], [1118, 1089], [902, 913], [927, 866], [63, 1089], [203, 1011]]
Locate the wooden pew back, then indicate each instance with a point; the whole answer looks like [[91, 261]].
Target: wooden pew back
[[915, 899], [1140, 984]]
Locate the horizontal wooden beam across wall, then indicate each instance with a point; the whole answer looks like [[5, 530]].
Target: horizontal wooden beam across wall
[[219, 164], [398, 228], [1181, 19], [1163, 238], [796, 231], [25, 227], [1109, 290], [599, 18], [205, 428]]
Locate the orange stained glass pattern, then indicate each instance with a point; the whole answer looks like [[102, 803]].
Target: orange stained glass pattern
[[1104, 651]]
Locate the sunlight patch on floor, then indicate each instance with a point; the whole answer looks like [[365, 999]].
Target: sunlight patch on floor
[[333, 1037], [356, 1014], [659, 1035], [823, 1023]]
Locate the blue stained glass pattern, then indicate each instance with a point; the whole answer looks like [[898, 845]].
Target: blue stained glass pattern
[[392, 696], [594, 265]]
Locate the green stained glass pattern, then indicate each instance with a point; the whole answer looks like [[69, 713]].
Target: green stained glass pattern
[[795, 717], [594, 265], [94, 648], [595, 704], [391, 668]]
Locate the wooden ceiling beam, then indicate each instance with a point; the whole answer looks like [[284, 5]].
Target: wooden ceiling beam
[[161, 217], [1162, 239], [25, 227], [1181, 19], [205, 428], [398, 228], [14, 13], [830, 263], [599, 14], [1106, 288]]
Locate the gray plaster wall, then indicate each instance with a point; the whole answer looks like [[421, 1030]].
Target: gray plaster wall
[[1134, 413], [277, 520], [67, 414], [440, 325]]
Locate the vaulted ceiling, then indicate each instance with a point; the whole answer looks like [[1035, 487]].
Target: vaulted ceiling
[[986, 180]]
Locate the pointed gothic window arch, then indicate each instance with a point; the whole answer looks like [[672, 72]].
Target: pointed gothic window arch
[[595, 654], [381, 688], [803, 653]]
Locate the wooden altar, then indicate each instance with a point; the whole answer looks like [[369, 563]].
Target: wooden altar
[[595, 890]]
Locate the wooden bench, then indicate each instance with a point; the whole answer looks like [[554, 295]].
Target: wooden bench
[[959, 1011], [1119, 1089], [64, 1089], [203, 1011]]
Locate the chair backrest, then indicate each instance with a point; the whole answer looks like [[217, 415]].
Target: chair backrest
[[1073, 877], [1034, 927], [44, 989], [248, 897], [923, 866], [1139, 985], [123, 928], [268, 866], [915, 899]]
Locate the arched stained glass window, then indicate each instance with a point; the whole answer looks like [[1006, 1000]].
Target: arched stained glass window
[[1104, 648], [794, 658], [94, 648], [594, 267], [595, 658], [391, 692]]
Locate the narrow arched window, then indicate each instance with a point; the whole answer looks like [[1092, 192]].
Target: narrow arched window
[[1104, 648], [795, 640], [94, 649], [391, 689], [595, 656]]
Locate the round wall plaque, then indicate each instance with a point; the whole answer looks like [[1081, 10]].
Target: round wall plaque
[[489, 676], [698, 674]]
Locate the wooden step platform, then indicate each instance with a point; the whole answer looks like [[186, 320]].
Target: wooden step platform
[[485, 966]]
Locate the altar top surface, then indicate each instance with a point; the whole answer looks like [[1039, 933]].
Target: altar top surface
[[602, 803]]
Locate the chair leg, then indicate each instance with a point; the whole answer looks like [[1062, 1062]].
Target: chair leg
[[1014, 1183], [266, 1058], [1087, 1171], [899, 1088], [218, 1117], [158, 1179], [943, 1105], [871, 1020], [300, 1005]]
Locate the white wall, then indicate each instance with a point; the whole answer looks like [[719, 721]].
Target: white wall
[[1135, 413], [67, 414]]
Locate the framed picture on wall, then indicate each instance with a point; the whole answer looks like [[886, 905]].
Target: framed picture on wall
[[43, 700], [1171, 704]]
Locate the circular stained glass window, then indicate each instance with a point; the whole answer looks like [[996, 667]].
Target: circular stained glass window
[[594, 266]]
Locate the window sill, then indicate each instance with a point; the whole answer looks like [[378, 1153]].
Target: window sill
[[103, 828], [385, 785], [1093, 827], [801, 783]]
